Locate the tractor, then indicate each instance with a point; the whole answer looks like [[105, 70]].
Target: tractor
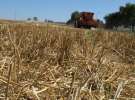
[[86, 20]]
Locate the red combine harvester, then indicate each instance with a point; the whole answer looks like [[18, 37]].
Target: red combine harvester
[[86, 20]]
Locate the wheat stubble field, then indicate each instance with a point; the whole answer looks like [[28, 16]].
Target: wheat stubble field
[[46, 62]]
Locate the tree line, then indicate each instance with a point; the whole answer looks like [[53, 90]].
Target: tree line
[[124, 17]]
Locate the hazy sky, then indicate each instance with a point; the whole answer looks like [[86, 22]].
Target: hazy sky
[[57, 10]]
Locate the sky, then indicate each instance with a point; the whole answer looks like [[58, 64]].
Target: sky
[[57, 10]]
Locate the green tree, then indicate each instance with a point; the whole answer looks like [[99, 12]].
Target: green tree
[[113, 20], [28, 19], [74, 17], [125, 17], [35, 18]]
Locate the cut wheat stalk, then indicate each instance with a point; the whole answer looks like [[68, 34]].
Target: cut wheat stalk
[[120, 88], [8, 82]]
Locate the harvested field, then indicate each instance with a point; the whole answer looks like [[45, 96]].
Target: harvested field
[[60, 63]]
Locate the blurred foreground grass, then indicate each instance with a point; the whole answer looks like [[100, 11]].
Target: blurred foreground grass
[[45, 62]]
